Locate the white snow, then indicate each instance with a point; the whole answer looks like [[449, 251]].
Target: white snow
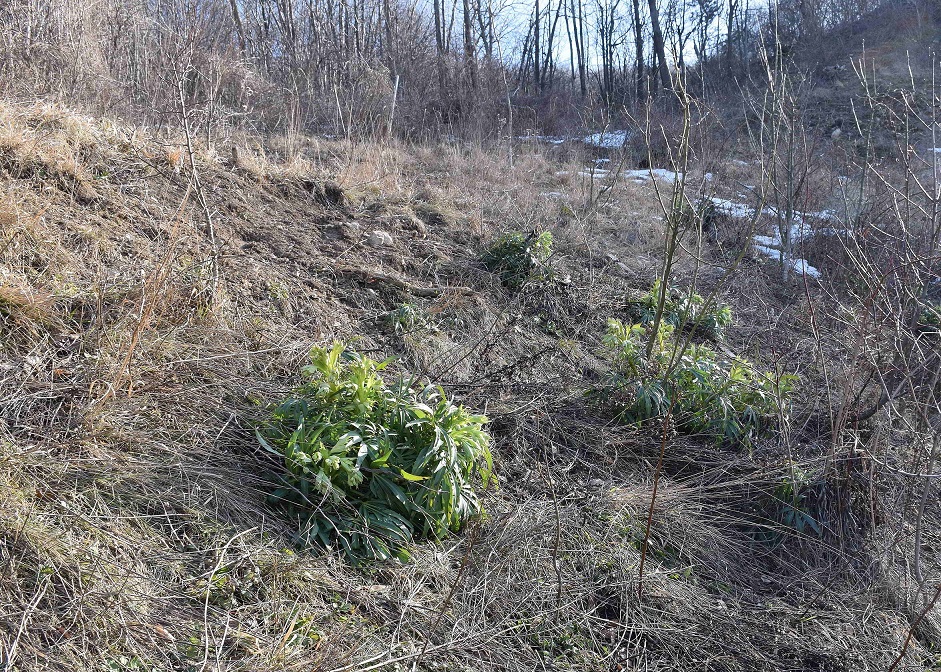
[[551, 139], [798, 265], [597, 172], [800, 230], [731, 208], [608, 139], [772, 246], [657, 174]]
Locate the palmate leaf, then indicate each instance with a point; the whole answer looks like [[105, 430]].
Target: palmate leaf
[[519, 258], [729, 399], [386, 465]]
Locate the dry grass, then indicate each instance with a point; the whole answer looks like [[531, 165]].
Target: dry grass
[[134, 531]]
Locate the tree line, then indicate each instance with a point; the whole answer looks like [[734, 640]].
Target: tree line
[[400, 66]]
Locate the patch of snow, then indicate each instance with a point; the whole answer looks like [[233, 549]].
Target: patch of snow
[[708, 177], [768, 251], [598, 172], [608, 139], [797, 265], [739, 162], [666, 175], [657, 174], [823, 214], [731, 208], [800, 230], [550, 139]]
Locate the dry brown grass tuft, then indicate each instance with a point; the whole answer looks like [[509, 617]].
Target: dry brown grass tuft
[[25, 307], [174, 159]]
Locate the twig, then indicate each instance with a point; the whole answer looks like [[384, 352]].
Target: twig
[[27, 613], [653, 496], [447, 600], [911, 630], [198, 185]]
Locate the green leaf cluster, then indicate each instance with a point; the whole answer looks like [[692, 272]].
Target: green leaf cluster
[[520, 258], [794, 496], [406, 318], [684, 310], [727, 398], [369, 468], [929, 320]]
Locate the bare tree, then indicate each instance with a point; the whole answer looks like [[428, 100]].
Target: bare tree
[[658, 46], [640, 74], [470, 48]]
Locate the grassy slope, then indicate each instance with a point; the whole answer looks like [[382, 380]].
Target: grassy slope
[[134, 532]]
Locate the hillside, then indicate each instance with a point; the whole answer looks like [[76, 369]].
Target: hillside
[[148, 319]]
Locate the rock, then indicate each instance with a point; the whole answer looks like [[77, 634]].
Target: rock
[[352, 231], [379, 239], [620, 264]]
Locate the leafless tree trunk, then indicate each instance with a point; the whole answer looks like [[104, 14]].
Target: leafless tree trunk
[[548, 61], [439, 45], [640, 75], [658, 46], [577, 44], [536, 46], [470, 58], [389, 46], [237, 20]]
